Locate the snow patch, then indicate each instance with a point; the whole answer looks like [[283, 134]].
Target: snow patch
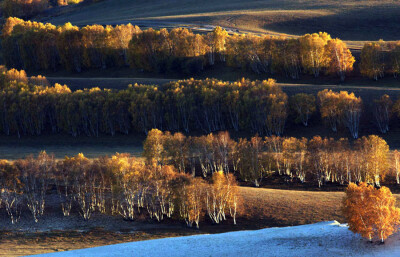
[[329, 238]]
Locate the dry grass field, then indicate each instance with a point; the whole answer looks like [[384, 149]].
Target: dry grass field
[[261, 208], [12, 147], [351, 20]]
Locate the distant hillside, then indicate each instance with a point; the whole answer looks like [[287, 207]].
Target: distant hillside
[[349, 20]]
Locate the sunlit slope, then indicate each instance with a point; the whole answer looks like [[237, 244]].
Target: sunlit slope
[[349, 20]]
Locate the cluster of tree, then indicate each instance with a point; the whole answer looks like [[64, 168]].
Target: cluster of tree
[[341, 108], [67, 2], [379, 59], [371, 212], [179, 49], [120, 185], [318, 160], [29, 8], [206, 105], [34, 45], [23, 8], [29, 106], [308, 54]]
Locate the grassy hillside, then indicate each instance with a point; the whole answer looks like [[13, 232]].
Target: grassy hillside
[[350, 20]]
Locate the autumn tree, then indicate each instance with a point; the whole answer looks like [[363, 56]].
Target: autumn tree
[[372, 60], [294, 153], [312, 52], [36, 175], [131, 174], [357, 209], [39, 81], [222, 197], [216, 42], [153, 147], [371, 212], [396, 165], [376, 158], [303, 105], [88, 184], [176, 150], [352, 107], [329, 108], [339, 58], [24, 8], [70, 40], [11, 190], [254, 164], [341, 108], [190, 196]]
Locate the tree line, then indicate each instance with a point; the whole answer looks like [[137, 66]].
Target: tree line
[[36, 45], [318, 161], [119, 185], [30, 106], [39, 46]]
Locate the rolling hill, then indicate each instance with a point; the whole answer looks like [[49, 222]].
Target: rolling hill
[[351, 20]]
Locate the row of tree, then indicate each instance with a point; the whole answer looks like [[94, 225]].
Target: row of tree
[[318, 160], [208, 105], [35, 45], [29, 106], [379, 59], [120, 185]]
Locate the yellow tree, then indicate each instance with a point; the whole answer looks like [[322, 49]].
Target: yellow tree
[[190, 194], [386, 215], [351, 107], [329, 107], [376, 159], [356, 209], [216, 42], [153, 147], [221, 197], [371, 212], [339, 58], [312, 52], [372, 60]]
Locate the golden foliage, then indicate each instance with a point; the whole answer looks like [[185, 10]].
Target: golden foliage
[[371, 212]]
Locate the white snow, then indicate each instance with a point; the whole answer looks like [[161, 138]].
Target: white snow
[[321, 239]]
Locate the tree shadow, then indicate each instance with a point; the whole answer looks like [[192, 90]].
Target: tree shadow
[[370, 23]]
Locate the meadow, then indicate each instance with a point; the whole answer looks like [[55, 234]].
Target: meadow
[[264, 208]]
